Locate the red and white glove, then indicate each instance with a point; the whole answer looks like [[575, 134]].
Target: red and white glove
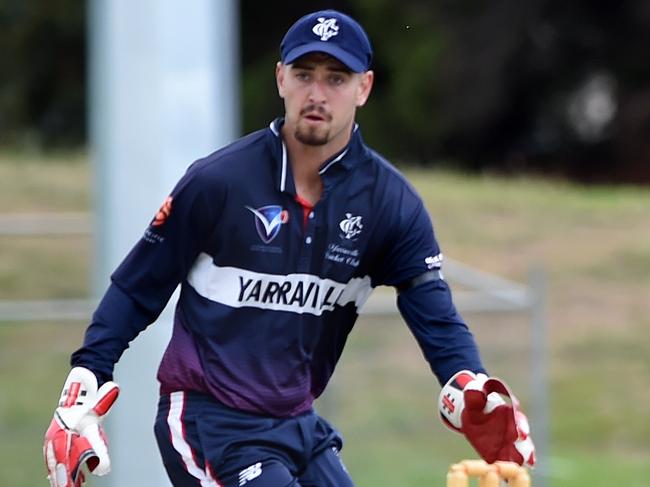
[[484, 410], [75, 436]]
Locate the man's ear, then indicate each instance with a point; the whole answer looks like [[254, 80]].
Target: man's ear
[[365, 87], [279, 78]]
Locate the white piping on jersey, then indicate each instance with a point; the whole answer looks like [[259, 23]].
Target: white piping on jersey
[[322, 171], [295, 293], [283, 179], [180, 444]]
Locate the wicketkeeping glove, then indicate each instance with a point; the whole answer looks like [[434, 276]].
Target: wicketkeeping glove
[[475, 405], [75, 436]]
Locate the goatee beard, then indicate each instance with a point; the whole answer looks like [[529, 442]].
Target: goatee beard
[[311, 136]]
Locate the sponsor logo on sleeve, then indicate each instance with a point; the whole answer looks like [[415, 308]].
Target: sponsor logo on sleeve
[[163, 213], [434, 262], [150, 234]]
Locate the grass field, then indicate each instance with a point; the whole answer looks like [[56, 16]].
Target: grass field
[[592, 242]]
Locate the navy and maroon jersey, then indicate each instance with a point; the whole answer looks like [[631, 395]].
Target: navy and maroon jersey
[[271, 287]]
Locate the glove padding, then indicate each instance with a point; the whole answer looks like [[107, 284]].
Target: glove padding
[[75, 436], [474, 405]]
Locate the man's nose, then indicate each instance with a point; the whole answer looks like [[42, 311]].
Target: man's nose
[[316, 92]]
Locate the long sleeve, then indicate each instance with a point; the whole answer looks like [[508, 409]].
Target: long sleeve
[[412, 252], [446, 342], [145, 281], [117, 320]]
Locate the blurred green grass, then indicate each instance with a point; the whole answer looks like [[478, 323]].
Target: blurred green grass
[[33, 365], [592, 242], [37, 183]]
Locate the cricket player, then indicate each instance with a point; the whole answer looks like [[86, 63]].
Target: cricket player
[[277, 240]]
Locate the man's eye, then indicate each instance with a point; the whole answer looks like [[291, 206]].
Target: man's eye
[[302, 76], [336, 80]]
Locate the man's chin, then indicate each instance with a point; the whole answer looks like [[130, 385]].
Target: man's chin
[[312, 137]]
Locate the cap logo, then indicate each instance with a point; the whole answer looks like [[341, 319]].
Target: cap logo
[[326, 28]]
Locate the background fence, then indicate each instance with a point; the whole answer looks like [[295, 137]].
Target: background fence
[[476, 292]]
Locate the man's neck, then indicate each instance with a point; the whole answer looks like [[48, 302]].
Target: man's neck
[[305, 162]]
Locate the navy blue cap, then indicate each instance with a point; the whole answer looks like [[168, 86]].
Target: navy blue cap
[[331, 32]]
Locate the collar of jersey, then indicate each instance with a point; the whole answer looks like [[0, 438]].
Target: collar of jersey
[[346, 159]]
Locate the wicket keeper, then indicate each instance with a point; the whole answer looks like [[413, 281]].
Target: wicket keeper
[[277, 240]]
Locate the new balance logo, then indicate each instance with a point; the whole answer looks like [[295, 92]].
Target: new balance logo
[[250, 473]]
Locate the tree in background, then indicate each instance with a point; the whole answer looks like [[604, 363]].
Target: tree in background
[[549, 86], [543, 86], [42, 73]]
